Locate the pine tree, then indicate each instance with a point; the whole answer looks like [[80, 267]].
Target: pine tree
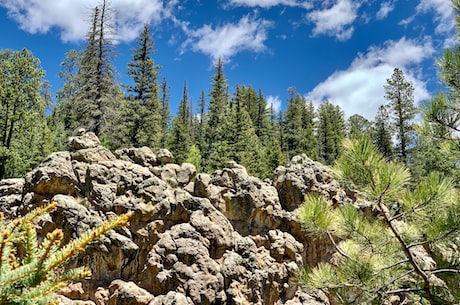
[[246, 148], [23, 127], [404, 253], [218, 105], [308, 122], [299, 124], [98, 96], [382, 132], [400, 93], [358, 126], [144, 119], [65, 111], [200, 127], [273, 151], [331, 127], [180, 138], [165, 113]]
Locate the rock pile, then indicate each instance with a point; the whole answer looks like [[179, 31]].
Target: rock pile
[[225, 238]]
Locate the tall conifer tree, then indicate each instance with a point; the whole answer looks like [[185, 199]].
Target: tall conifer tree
[[331, 127], [218, 105], [382, 132], [180, 138], [98, 97], [145, 117], [400, 93]]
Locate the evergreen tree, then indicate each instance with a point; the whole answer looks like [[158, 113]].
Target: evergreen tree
[[246, 148], [65, 113], [180, 136], [331, 127], [358, 126], [98, 96], [23, 128], [400, 93], [165, 113], [145, 115], [293, 123], [405, 253], [218, 105], [273, 151], [200, 127], [382, 132], [299, 124], [310, 140]]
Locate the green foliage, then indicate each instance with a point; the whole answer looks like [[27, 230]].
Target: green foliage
[[194, 157], [218, 106], [98, 98], [382, 132], [25, 137], [331, 132], [180, 137], [358, 126], [143, 118], [316, 215], [299, 125], [32, 271], [387, 255], [400, 94]]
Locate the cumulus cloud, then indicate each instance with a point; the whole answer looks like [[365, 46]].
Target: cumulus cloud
[[70, 17], [275, 102], [385, 8], [443, 11], [336, 20], [359, 89], [224, 41]]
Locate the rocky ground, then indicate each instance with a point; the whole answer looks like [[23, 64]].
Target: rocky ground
[[225, 238]]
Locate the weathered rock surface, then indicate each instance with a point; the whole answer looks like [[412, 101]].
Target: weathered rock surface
[[225, 238]]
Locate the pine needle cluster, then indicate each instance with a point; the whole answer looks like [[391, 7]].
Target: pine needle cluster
[[406, 252], [31, 272]]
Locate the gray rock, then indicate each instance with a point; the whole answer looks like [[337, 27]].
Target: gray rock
[[84, 140], [164, 156], [54, 175]]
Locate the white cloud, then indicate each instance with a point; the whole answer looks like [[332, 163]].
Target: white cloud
[[229, 39], [270, 3], [444, 13], [70, 17], [336, 20], [359, 89], [385, 8], [275, 102]]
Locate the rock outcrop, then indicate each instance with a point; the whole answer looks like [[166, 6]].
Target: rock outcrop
[[225, 238]]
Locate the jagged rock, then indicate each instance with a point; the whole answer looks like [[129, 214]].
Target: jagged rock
[[172, 298], [303, 176], [224, 238], [128, 293], [164, 156], [84, 140], [11, 191], [54, 175], [142, 156]]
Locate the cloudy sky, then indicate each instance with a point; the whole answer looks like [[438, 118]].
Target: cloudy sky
[[341, 50]]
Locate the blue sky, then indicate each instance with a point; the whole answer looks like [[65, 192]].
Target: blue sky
[[341, 50]]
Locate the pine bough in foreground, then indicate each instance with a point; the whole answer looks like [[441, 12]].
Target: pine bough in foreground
[[31, 272], [406, 252]]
